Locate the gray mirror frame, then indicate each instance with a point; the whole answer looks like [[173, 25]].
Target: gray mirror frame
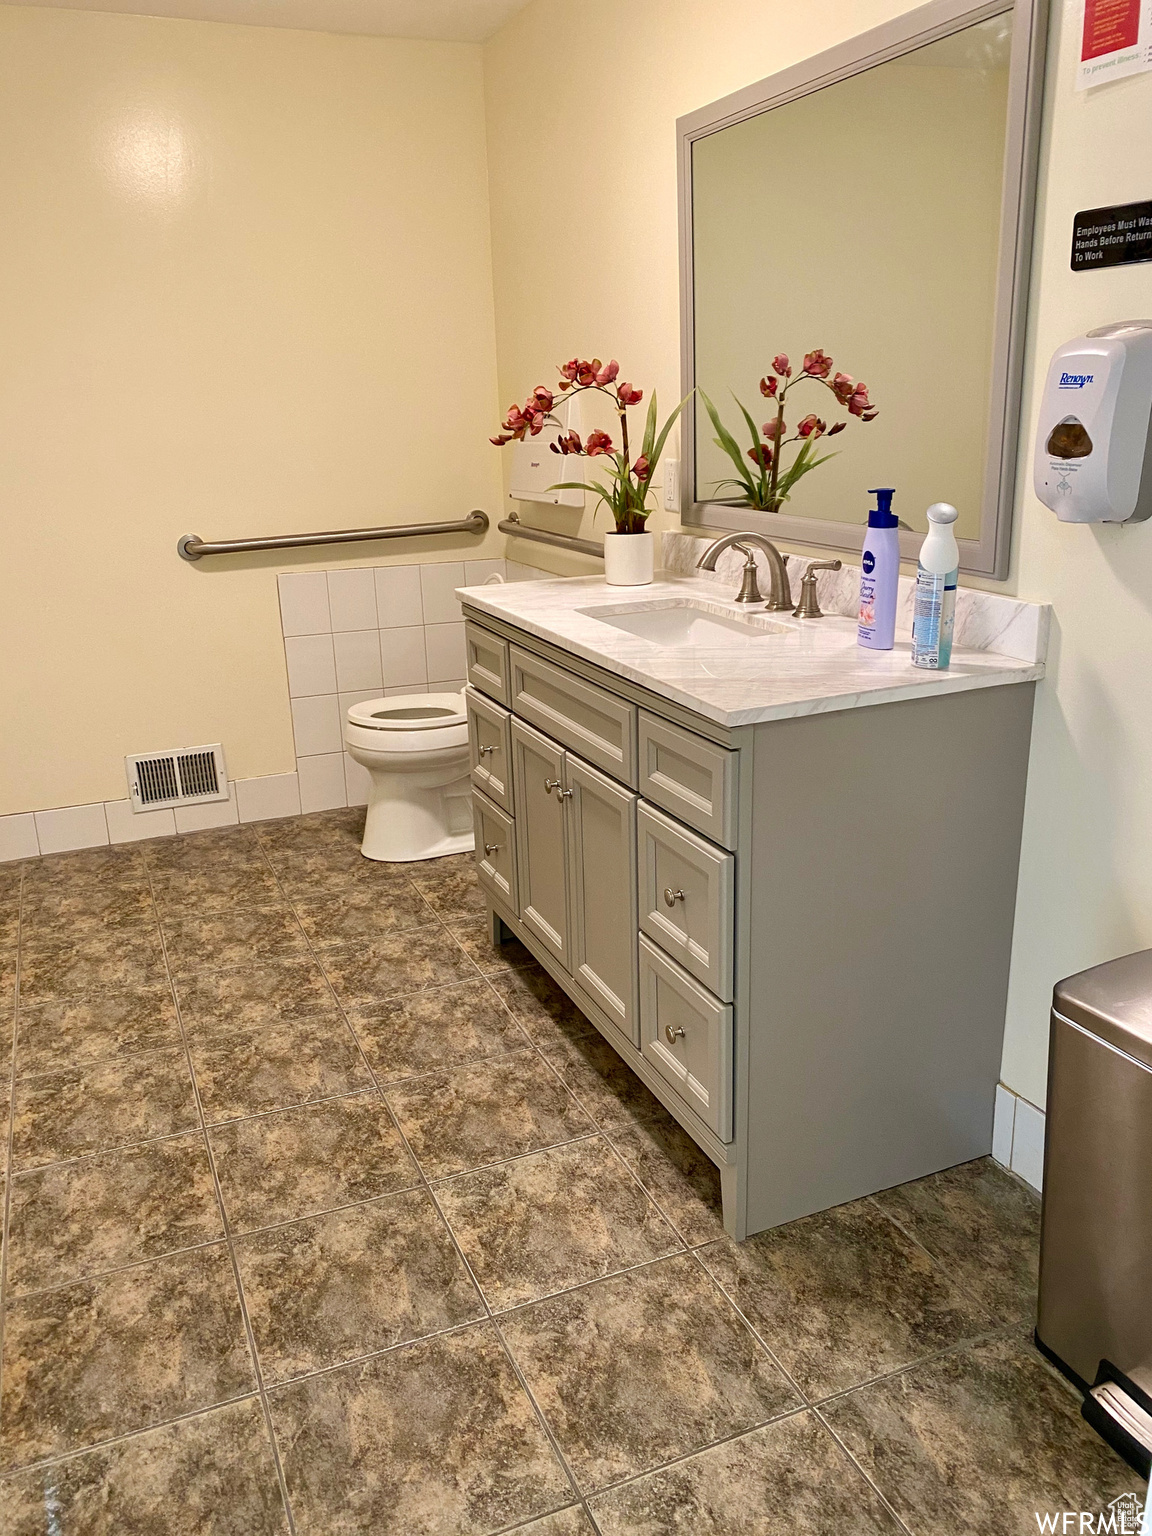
[[989, 555]]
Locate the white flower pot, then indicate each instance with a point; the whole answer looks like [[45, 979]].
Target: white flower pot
[[629, 559]]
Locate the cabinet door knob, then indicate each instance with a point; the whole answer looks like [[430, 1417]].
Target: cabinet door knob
[[671, 897], [551, 784], [565, 794], [491, 848], [484, 751], [673, 1034]]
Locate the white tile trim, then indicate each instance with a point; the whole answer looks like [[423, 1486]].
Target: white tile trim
[[71, 827], [272, 795], [18, 838], [1018, 1136]]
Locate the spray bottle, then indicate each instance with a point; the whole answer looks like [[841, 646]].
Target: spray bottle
[[934, 615]]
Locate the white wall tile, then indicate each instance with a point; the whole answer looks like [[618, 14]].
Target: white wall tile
[[316, 725], [438, 585], [214, 813], [352, 599], [356, 782], [311, 665], [1028, 1144], [517, 572], [73, 826], [275, 794], [1002, 1119], [358, 659], [128, 826], [322, 786], [18, 837], [476, 572], [402, 653], [304, 603], [398, 596], [445, 647]]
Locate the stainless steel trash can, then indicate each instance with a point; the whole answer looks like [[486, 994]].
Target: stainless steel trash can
[[1095, 1312]]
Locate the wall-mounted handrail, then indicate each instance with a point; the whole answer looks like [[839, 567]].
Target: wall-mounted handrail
[[519, 530], [192, 547]]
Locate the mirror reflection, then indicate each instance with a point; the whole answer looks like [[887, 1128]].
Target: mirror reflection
[[862, 220]]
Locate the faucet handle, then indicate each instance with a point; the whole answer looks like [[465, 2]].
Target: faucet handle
[[749, 585], [808, 607]]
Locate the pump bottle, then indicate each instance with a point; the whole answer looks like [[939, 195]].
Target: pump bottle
[[879, 575]]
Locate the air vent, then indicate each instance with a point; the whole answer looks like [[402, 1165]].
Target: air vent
[[188, 777]]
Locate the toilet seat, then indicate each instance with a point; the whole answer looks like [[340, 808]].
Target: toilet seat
[[409, 712]]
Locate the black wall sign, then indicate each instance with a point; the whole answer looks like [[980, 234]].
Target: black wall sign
[[1112, 237]]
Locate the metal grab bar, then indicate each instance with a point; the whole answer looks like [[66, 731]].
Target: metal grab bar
[[192, 547], [519, 530]]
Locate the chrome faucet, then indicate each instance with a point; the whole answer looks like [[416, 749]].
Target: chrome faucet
[[781, 594]]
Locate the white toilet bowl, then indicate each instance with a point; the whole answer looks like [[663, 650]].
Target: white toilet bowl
[[415, 747]]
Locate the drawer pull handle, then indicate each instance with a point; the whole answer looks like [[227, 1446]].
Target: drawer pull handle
[[565, 794], [491, 848], [551, 784], [484, 751], [671, 897], [673, 1034]]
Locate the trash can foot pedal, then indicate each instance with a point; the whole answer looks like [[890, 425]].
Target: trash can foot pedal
[[1121, 1418]]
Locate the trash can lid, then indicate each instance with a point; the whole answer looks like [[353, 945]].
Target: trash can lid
[[1112, 1001]]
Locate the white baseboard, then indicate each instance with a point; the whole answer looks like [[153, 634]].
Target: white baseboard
[[1018, 1136]]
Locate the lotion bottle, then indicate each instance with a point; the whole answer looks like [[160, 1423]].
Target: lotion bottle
[[934, 614], [879, 575]]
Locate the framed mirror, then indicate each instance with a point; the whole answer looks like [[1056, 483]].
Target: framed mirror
[[874, 202]]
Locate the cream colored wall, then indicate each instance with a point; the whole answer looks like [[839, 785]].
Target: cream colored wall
[[581, 124], [245, 288]]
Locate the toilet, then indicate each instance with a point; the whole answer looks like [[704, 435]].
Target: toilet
[[415, 747]]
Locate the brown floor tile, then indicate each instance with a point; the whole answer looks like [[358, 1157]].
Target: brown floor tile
[[636, 1370], [684, 1183], [335, 867], [493, 959], [844, 1296], [299, 1162], [100, 1358], [565, 1522], [218, 848], [212, 1475], [984, 1227], [551, 1220], [787, 1479], [432, 1439], [215, 1007], [292, 1061], [69, 1114], [979, 1440], [459, 1120], [11, 877], [226, 888], [341, 827], [227, 941], [75, 1219], [604, 1083], [9, 922], [363, 975], [71, 1032], [63, 912], [443, 1027], [361, 916], [547, 1014], [93, 867], [325, 1290], [450, 888], [98, 962]]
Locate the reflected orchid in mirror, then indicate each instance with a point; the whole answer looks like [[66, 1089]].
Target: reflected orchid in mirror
[[769, 484], [627, 484]]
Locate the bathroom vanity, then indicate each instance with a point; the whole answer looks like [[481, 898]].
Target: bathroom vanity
[[777, 872]]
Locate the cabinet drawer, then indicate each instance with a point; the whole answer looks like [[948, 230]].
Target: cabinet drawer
[[487, 662], [686, 1036], [686, 889], [691, 777], [495, 850], [490, 748], [578, 714]]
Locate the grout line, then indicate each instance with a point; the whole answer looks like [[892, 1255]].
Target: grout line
[[9, 1140], [91, 1276], [755, 1332], [876, 1489], [938, 1264], [439, 1179], [250, 1337]]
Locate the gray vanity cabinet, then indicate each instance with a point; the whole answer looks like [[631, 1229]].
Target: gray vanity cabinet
[[541, 844]]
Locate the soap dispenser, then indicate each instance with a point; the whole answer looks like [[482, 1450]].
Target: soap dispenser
[[879, 574]]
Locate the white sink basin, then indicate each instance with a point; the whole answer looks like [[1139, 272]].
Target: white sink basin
[[689, 623]]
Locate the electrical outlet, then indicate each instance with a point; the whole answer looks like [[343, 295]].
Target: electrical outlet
[[672, 485]]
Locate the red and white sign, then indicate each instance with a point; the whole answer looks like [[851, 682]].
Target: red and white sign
[[1116, 41]]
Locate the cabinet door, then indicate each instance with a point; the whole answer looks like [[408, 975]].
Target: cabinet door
[[541, 846], [489, 747], [602, 871]]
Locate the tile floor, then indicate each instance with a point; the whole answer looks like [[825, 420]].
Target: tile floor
[[322, 1216]]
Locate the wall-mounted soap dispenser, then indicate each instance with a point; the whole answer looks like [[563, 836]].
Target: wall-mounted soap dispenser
[[1094, 441], [535, 467]]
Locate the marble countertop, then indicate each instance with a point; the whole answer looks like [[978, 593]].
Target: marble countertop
[[814, 667]]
